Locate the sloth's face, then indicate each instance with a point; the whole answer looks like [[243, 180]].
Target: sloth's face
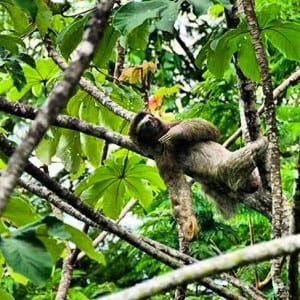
[[149, 129]]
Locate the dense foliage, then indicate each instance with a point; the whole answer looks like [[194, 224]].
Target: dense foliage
[[175, 57]]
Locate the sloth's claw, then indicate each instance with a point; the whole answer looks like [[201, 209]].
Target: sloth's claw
[[165, 139]]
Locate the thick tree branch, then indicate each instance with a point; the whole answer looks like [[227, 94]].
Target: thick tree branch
[[56, 101], [64, 121], [208, 267], [274, 156], [293, 266]]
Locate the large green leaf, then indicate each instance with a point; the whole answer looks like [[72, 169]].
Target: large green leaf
[[43, 17], [71, 35], [285, 37], [27, 256], [36, 78], [105, 47], [11, 43], [29, 5], [91, 146], [113, 199], [220, 53], [200, 7], [69, 150], [267, 14], [48, 146], [18, 16], [58, 229], [247, 60], [138, 37], [121, 176], [19, 211], [134, 14], [149, 173], [5, 296], [140, 190]]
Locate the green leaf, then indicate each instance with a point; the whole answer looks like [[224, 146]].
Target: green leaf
[[105, 47], [247, 60], [267, 14], [37, 77], [69, 150], [11, 43], [16, 72], [91, 146], [148, 173], [48, 146], [199, 61], [19, 211], [71, 35], [138, 38], [28, 5], [18, 16], [134, 14], [28, 257], [167, 91], [140, 190], [219, 58], [43, 17], [5, 296], [100, 174], [27, 59], [113, 199], [285, 37], [168, 17], [83, 242]]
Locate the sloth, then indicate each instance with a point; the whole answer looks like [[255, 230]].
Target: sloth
[[191, 146]]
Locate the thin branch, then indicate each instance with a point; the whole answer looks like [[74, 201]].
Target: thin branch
[[56, 101], [64, 121], [128, 207], [294, 77], [88, 86], [208, 267]]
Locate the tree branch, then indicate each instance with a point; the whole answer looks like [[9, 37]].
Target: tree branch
[[274, 155], [294, 77], [88, 86], [208, 267], [64, 121], [56, 101], [293, 264]]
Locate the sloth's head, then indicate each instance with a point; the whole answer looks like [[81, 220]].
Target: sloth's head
[[146, 129]]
